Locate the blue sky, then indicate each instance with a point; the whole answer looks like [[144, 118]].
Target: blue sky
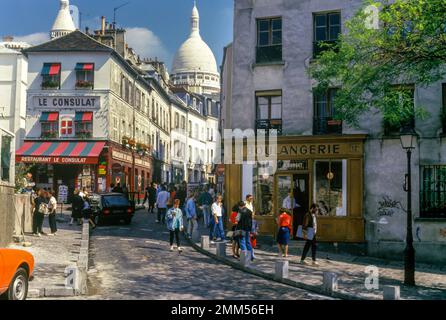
[[157, 27]]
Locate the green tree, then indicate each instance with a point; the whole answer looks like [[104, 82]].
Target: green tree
[[373, 66]]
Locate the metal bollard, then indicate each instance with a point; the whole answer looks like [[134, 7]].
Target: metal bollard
[[281, 269], [205, 242], [330, 282], [221, 249], [391, 292]]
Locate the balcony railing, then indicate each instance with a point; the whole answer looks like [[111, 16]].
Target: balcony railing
[[323, 126], [270, 125], [269, 54], [321, 46]]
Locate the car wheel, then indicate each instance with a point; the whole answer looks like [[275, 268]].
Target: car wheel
[[18, 289]]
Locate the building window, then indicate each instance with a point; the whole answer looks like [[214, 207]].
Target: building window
[[324, 112], [327, 28], [51, 76], [85, 76], [183, 122], [269, 111], [404, 96], [84, 124], [190, 154], [433, 192], [6, 151], [49, 122], [115, 136], [177, 120], [269, 40], [66, 127], [330, 187], [190, 129]]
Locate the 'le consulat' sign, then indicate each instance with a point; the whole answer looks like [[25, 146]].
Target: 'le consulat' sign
[[42, 102]]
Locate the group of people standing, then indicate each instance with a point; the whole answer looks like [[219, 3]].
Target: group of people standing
[[44, 204], [81, 208]]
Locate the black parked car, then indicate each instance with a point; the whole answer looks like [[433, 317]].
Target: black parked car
[[112, 207]]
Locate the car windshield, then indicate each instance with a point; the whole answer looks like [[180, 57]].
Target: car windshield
[[115, 201]]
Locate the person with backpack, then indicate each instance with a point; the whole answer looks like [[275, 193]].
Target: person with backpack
[[52, 208], [244, 225], [40, 210]]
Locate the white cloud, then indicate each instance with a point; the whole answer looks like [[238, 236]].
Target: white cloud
[[147, 44], [34, 38]]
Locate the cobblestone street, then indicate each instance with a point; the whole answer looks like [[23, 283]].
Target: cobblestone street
[[134, 262]]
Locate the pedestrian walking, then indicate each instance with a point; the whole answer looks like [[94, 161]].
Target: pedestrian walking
[[217, 231], [52, 208], [76, 207], [244, 224], [235, 236], [284, 221], [254, 233], [174, 219], [205, 202], [191, 214], [40, 210], [161, 202], [310, 230], [150, 196]]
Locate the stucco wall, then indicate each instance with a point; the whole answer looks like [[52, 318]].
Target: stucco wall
[[6, 215]]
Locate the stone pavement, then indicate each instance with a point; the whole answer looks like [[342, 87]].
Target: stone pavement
[[431, 280], [52, 255], [134, 263]]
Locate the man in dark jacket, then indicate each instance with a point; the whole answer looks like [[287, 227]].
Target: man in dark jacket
[[151, 196], [244, 223]]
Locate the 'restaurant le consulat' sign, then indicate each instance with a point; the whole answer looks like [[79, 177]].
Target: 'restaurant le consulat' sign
[[44, 102]]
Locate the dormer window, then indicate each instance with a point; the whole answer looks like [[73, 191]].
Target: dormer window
[[51, 76]]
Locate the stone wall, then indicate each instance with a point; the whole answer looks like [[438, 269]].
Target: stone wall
[[6, 215]]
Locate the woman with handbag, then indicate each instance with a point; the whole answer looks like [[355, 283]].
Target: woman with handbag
[[174, 220], [40, 210], [52, 207], [284, 222], [234, 233], [310, 228]]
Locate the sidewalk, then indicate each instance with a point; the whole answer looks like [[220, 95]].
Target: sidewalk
[[431, 280], [52, 255]]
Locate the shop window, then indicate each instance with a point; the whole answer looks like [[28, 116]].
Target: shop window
[[330, 187], [85, 76], [6, 143], [269, 40], [327, 28], [269, 111], [324, 113], [263, 192], [433, 192], [51, 76]]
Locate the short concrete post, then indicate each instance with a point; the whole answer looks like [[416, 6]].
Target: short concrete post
[[281, 270], [245, 258], [391, 292], [330, 283], [205, 242], [221, 249]]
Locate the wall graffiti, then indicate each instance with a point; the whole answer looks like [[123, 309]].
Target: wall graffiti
[[387, 207]]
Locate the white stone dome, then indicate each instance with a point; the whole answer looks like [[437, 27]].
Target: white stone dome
[[194, 55], [64, 22]]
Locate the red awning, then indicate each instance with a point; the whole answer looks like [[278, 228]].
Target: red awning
[[78, 152], [49, 117], [51, 69]]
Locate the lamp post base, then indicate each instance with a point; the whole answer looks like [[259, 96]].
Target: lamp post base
[[409, 266]]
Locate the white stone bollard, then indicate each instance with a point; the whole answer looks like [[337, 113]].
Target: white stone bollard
[[391, 292], [205, 242], [330, 283], [245, 258], [221, 249], [281, 269]]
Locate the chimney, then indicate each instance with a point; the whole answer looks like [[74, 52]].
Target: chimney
[[8, 38], [103, 25]]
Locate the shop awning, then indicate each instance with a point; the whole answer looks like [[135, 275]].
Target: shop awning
[[51, 69], [84, 67], [49, 117], [76, 152], [84, 117]]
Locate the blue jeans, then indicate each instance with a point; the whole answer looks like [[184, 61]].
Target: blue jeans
[[245, 242], [217, 229], [207, 216]]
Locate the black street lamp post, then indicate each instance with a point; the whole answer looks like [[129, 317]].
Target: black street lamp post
[[408, 142]]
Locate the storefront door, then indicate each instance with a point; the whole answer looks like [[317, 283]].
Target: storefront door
[[301, 193]]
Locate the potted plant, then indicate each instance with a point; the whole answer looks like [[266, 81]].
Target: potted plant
[[84, 84], [50, 84]]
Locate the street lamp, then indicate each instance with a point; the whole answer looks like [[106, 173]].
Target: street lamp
[[408, 142]]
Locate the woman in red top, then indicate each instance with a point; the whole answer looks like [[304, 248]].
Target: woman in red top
[[285, 230], [235, 239]]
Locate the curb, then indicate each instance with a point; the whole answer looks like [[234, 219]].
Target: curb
[[271, 277]]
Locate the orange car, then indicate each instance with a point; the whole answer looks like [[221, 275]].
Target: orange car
[[16, 269]]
